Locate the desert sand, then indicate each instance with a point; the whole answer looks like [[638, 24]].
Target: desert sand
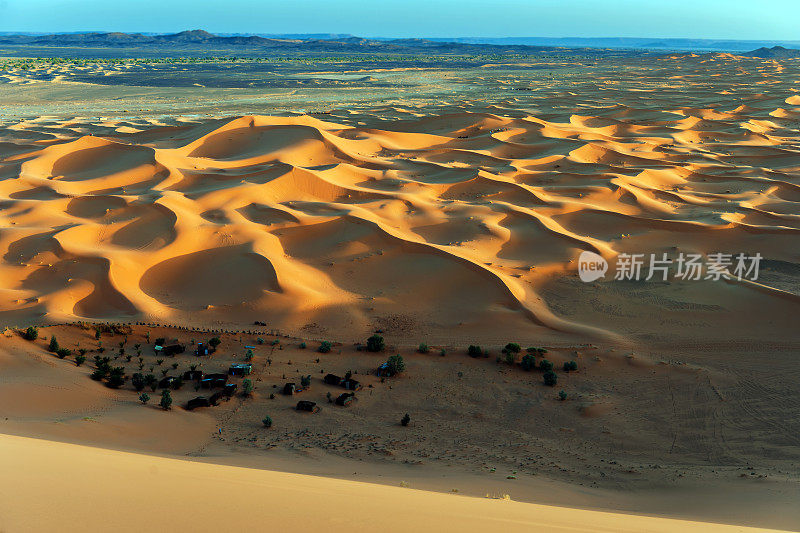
[[433, 218], [40, 480]]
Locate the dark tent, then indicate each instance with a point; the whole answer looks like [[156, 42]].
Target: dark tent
[[332, 379], [192, 375], [200, 401], [305, 405], [351, 384], [216, 397], [173, 349], [345, 399], [289, 389]]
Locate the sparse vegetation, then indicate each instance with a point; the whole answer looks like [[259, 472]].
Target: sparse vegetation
[[137, 380], [267, 421], [405, 420], [423, 348], [395, 364], [53, 346], [375, 344], [214, 342], [247, 387], [166, 400], [144, 398], [63, 352], [31, 334], [545, 365], [324, 347], [528, 362], [475, 351], [562, 395], [305, 381], [570, 366], [79, 360], [550, 378]]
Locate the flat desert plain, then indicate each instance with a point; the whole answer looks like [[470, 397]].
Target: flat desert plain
[[445, 208]]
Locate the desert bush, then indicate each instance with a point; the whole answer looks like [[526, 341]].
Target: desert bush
[[302, 345], [528, 362], [137, 380], [63, 352], [550, 378], [324, 347], [214, 342], [405, 420], [474, 351], [396, 364], [512, 347], [79, 360], [161, 341], [267, 421], [511, 358], [98, 374], [144, 398], [423, 348], [329, 397], [31, 334], [53, 346], [174, 366], [536, 351], [151, 381], [562, 395], [443, 352], [570, 366], [375, 344], [248, 355], [260, 340], [247, 387], [545, 365], [116, 377], [166, 400], [305, 381], [159, 362]]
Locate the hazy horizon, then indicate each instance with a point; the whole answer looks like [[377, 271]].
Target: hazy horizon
[[681, 19]]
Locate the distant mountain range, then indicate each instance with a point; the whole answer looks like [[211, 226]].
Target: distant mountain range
[[345, 43], [776, 52]]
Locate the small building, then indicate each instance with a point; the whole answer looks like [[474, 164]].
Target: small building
[[211, 381], [200, 401], [332, 379], [289, 389], [351, 384], [305, 405], [230, 389], [168, 382], [201, 350], [345, 399], [173, 349], [383, 371], [192, 375], [240, 369]]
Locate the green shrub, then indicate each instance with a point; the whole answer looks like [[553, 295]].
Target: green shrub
[[423, 348], [528, 362], [63, 352], [396, 365], [511, 358], [31, 334], [405, 420], [247, 387], [324, 347], [53, 346], [248, 355], [137, 380], [562, 395], [550, 378], [116, 377], [267, 421], [214, 342], [375, 344], [144, 398], [166, 400], [570, 366], [260, 340], [305, 381], [161, 341], [512, 347], [79, 360], [302, 345], [545, 365], [474, 351]]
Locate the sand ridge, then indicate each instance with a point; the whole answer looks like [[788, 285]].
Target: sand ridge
[[300, 220]]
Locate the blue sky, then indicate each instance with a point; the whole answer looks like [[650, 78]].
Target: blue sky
[[718, 19]]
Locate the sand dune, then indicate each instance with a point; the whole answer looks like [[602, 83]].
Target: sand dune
[[288, 219], [37, 475]]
